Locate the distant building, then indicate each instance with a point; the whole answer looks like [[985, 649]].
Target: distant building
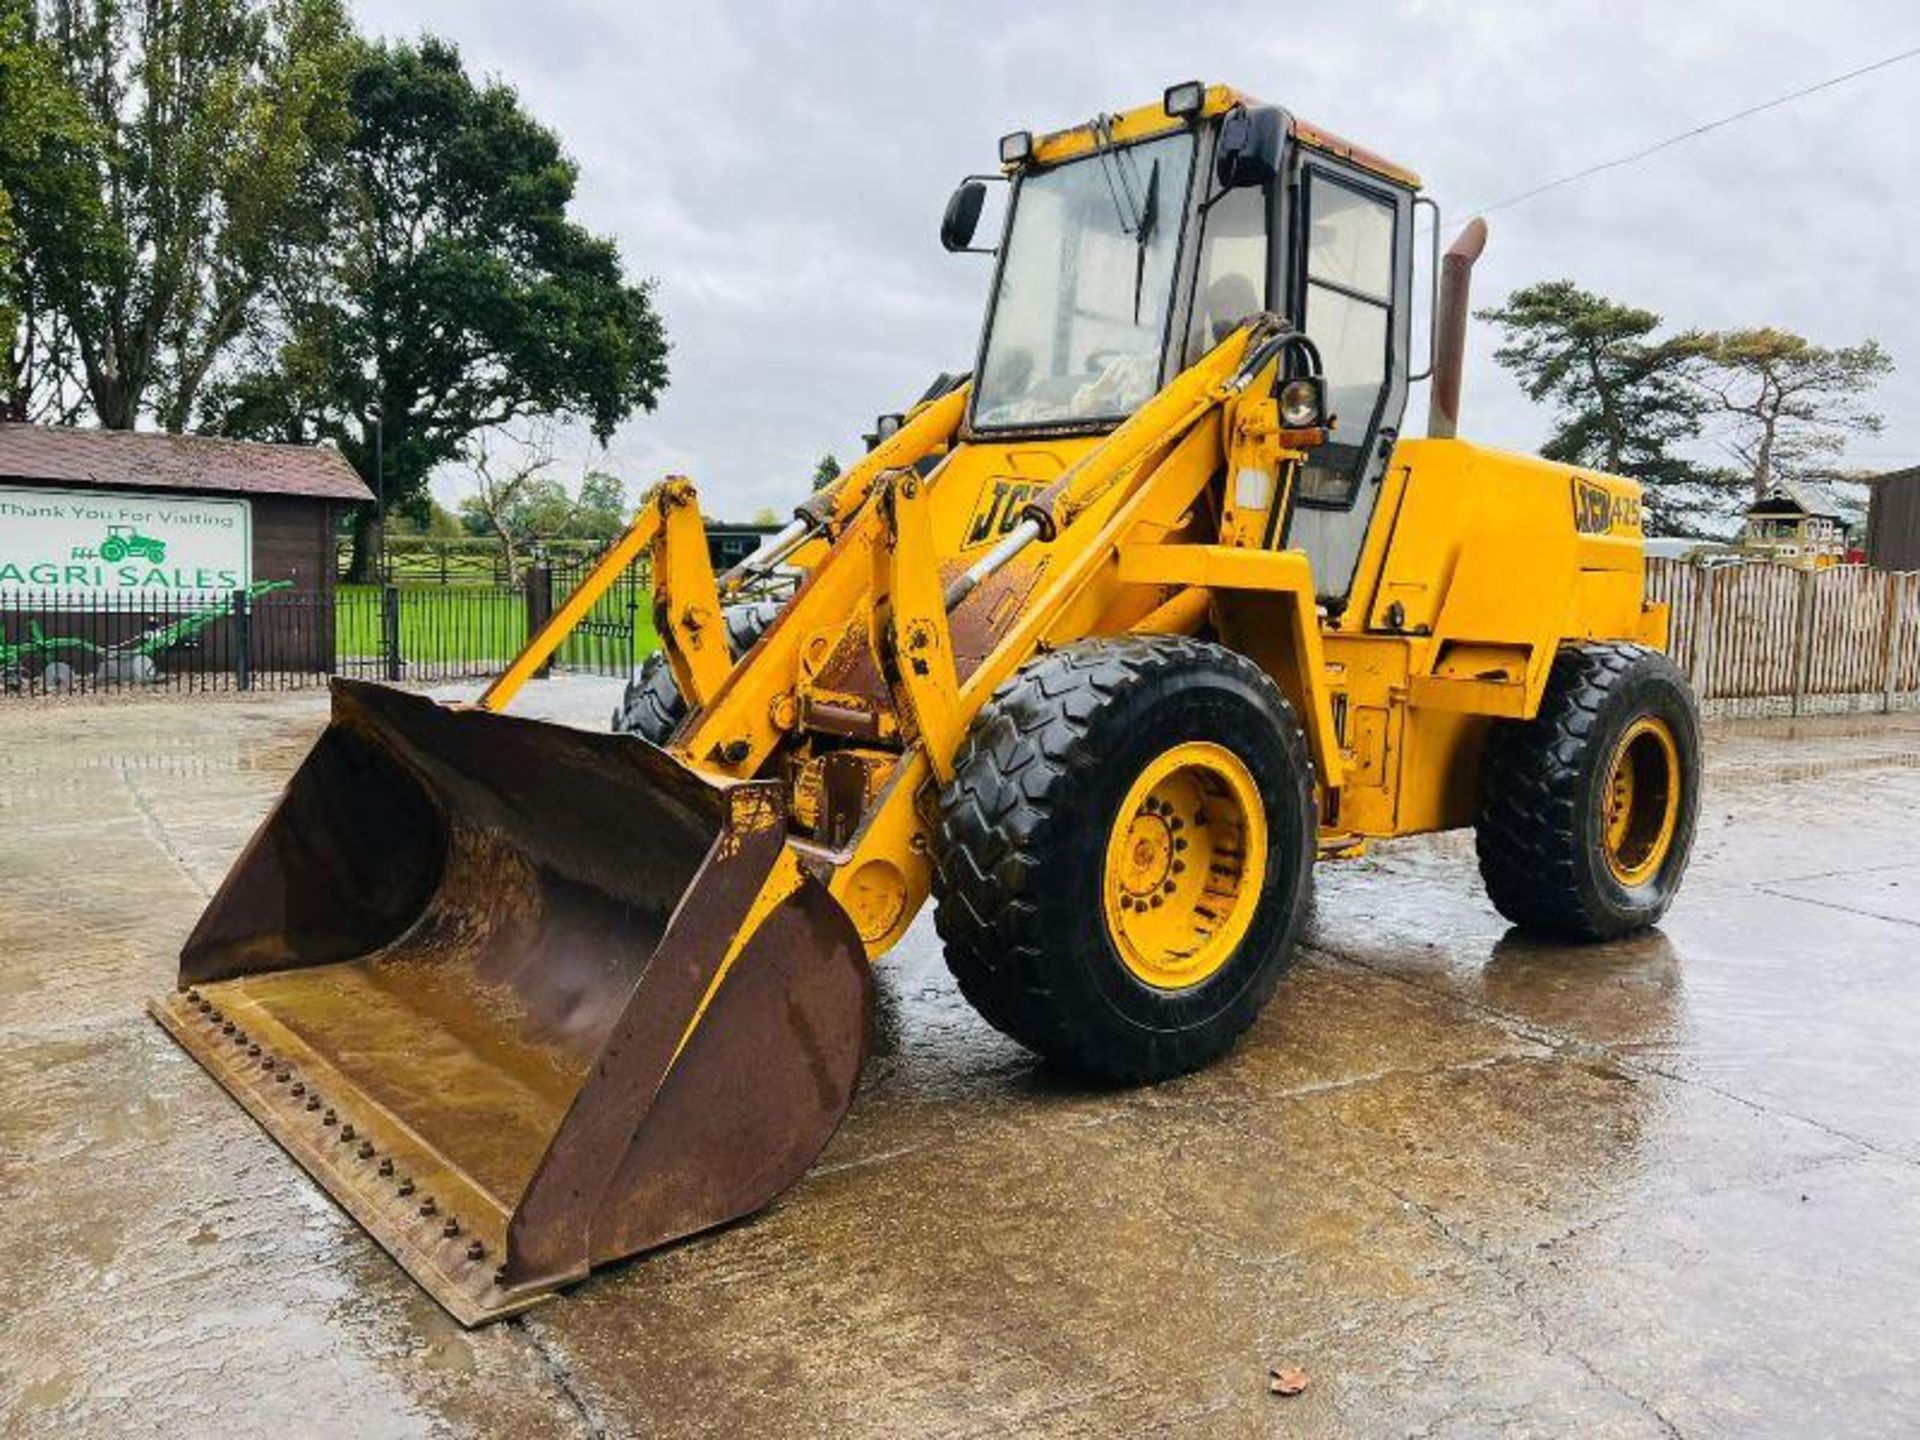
[[131, 515], [113, 538], [1795, 525], [1893, 521]]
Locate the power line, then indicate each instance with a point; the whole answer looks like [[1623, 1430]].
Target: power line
[[1698, 130]]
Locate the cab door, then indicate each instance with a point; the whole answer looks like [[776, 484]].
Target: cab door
[[1351, 247]]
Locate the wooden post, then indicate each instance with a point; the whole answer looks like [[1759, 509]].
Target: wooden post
[[1699, 660], [1890, 643], [1803, 639]]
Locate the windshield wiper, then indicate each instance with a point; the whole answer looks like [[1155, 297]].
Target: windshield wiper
[[1143, 236], [1137, 218]]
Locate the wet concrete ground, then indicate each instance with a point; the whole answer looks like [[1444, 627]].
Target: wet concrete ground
[[1467, 1183]]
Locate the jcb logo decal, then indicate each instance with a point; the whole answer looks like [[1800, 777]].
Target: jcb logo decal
[[998, 509], [1600, 511]]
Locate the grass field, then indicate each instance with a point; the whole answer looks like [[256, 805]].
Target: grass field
[[462, 623]]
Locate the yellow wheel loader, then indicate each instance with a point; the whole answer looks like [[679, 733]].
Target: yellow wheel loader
[[1101, 649]]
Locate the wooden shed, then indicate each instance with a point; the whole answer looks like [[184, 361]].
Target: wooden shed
[[127, 514], [1893, 521]]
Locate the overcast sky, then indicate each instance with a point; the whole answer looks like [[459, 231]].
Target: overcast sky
[[780, 169]]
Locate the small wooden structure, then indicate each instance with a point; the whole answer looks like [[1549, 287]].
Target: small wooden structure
[[1796, 526], [155, 548]]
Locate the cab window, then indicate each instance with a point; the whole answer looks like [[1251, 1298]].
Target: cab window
[[1232, 278], [1348, 305]]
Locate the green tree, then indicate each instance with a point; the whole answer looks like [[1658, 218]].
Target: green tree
[[1624, 397], [47, 186], [600, 510], [210, 122], [826, 472], [1790, 405], [458, 296], [766, 515]]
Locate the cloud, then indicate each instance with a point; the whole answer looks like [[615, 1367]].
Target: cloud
[[780, 168]]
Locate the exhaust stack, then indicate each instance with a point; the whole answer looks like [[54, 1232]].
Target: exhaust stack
[[1450, 329]]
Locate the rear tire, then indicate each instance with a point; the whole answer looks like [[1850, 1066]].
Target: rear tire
[[653, 706], [1105, 749], [1587, 811]]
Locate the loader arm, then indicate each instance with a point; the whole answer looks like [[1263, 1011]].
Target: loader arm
[[678, 564]]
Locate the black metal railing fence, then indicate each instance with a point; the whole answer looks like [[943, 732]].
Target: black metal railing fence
[[271, 636]]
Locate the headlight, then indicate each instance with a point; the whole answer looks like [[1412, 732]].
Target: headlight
[[1185, 98], [1017, 148], [1302, 404]]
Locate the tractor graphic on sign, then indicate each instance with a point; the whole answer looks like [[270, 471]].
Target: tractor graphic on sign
[[124, 540]]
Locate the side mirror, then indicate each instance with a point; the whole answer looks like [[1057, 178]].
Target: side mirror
[[963, 216], [1249, 149]]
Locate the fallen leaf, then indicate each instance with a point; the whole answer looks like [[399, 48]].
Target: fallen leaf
[[1287, 1380]]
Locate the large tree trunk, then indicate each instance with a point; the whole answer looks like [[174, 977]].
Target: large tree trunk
[[362, 566]]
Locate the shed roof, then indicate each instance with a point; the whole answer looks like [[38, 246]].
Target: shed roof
[[1785, 496], [137, 460]]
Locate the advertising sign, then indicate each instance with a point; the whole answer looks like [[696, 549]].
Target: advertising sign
[[93, 542]]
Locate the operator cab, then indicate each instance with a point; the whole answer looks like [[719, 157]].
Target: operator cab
[[1134, 244]]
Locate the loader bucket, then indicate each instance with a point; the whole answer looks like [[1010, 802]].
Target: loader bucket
[[523, 998]]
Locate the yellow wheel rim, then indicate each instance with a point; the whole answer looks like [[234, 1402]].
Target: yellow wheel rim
[[1184, 865], [1642, 801]]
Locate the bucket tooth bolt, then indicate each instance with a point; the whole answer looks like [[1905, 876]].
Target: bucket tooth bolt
[[386, 1165], [451, 1228], [313, 1102], [476, 1251], [193, 997], [427, 1207], [299, 1088], [329, 1118], [366, 1149], [406, 1185], [228, 1028], [346, 1132]]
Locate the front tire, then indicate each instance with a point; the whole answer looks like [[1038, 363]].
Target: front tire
[[1124, 854], [653, 706], [1587, 811]]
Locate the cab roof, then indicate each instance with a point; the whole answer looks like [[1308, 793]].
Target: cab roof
[[1148, 120]]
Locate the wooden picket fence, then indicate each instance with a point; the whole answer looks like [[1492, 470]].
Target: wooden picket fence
[[1766, 639]]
